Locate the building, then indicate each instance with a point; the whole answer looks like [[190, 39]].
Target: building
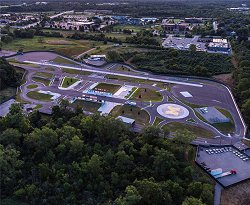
[[120, 19], [193, 20], [134, 21], [176, 28], [219, 45], [97, 57], [126, 120]]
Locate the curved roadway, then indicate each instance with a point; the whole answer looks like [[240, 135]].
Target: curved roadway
[[204, 93]]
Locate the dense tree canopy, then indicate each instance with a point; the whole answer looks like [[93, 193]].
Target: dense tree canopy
[[8, 75], [77, 159], [183, 62], [242, 76]]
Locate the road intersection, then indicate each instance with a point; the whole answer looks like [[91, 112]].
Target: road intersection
[[204, 92]]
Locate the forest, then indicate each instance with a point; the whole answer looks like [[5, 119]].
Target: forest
[[70, 158], [172, 61], [242, 76], [8, 75], [158, 8]]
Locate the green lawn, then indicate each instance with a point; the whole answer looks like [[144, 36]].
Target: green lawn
[[129, 27], [77, 72], [120, 36], [123, 68], [68, 82], [225, 128], [32, 86], [157, 121], [143, 94], [61, 60], [131, 92], [191, 104], [140, 116], [136, 80], [50, 69], [105, 87], [39, 96], [86, 105], [41, 80], [63, 46], [197, 131], [44, 75], [15, 62]]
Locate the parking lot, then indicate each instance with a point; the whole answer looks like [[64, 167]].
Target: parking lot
[[228, 159], [182, 43], [212, 115]]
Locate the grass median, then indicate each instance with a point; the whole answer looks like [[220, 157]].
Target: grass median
[[140, 116], [197, 131], [39, 96], [145, 95], [69, 81]]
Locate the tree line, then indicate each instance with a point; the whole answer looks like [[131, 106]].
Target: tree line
[[8, 75], [170, 61], [242, 76], [26, 33], [70, 158]]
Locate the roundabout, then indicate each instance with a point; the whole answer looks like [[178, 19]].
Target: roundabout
[[172, 111]]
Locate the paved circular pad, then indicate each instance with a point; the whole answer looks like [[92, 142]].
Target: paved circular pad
[[172, 111]]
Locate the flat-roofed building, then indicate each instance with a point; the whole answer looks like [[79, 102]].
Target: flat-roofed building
[[176, 28], [126, 120], [219, 45]]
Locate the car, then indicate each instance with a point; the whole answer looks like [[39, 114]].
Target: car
[[130, 103]]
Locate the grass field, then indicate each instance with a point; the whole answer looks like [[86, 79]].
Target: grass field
[[130, 27], [39, 96], [135, 80], [105, 87], [41, 80], [197, 131], [120, 36], [68, 82], [140, 116], [32, 86], [15, 62], [61, 60], [123, 68], [86, 105], [69, 48], [157, 121], [77, 72], [225, 128], [143, 94], [44, 75]]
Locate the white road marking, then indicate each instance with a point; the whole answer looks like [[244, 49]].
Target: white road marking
[[118, 74]]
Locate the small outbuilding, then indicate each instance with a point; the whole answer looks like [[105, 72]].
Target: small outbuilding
[[126, 120]]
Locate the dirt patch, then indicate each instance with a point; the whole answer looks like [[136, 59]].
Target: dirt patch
[[59, 42], [225, 78], [236, 195]]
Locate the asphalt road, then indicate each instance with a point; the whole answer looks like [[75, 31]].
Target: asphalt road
[[204, 93]]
